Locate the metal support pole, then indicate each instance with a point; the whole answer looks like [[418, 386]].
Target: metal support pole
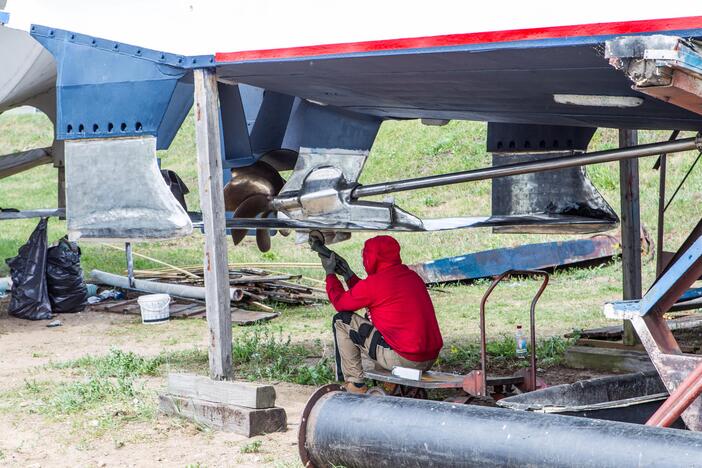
[[209, 165], [61, 176], [630, 228], [625, 152], [661, 213], [130, 263], [662, 166]]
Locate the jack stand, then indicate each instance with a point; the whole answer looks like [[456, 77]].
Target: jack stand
[[646, 315]]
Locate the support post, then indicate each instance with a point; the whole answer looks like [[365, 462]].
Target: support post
[[209, 166], [630, 228], [61, 176], [660, 231], [130, 263]]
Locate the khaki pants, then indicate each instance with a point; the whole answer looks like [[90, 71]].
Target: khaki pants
[[354, 335]]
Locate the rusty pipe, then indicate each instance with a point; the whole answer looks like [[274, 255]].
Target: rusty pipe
[[678, 401], [532, 323]]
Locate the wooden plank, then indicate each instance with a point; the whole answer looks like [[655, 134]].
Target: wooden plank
[[608, 344], [615, 331], [243, 317], [248, 395], [245, 421], [216, 269], [18, 162], [630, 228], [608, 360]]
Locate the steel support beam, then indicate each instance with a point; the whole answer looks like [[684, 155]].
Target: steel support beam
[[209, 168], [630, 228]]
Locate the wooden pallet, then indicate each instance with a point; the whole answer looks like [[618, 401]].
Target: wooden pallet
[[178, 308], [181, 308]]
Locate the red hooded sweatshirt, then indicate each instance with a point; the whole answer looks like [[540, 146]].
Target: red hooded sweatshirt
[[398, 301]]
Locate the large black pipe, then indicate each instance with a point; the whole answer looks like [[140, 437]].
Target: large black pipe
[[341, 429]]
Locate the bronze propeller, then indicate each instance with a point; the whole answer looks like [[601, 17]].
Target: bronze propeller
[[249, 194]]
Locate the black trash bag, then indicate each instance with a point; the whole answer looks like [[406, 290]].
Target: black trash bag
[[30, 298], [64, 277], [177, 186]]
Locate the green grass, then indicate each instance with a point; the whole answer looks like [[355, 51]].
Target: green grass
[[259, 353], [462, 357], [253, 447], [265, 354]]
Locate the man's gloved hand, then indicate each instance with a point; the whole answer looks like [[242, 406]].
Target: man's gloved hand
[[343, 268], [329, 263]]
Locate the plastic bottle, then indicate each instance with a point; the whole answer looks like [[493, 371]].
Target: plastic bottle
[[521, 342]]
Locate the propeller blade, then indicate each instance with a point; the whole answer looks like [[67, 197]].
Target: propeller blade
[[263, 240], [250, 208], [248, 194]]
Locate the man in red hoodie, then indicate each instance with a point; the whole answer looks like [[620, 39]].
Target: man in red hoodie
[[400, 327]]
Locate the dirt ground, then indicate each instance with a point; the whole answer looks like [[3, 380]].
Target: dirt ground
[[29, 439]]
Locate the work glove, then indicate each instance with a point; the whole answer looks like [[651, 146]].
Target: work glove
[[343, 268], [329, 263]]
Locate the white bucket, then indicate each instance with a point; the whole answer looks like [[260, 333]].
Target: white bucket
[[154, 308]]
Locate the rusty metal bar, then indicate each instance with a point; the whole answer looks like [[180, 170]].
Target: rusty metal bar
[[678, 401], [532, 322]]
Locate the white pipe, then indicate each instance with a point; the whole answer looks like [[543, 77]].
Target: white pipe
[[179, 290]]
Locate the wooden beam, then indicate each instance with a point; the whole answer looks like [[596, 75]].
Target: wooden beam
[[11, 164], [630, 228], [608, 360], [231, 393], [245, 421], [209, 169]]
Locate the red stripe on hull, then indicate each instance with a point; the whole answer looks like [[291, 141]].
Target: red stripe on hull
[[594, 29]]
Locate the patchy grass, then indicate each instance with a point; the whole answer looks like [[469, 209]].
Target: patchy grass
[[253, 447], [462, 357], [264, 354], [93, 405]]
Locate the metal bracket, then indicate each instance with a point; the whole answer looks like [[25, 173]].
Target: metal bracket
[[320, 191], [668, 68]]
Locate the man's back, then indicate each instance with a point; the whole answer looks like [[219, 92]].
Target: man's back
[[397, 299], [403, 313]]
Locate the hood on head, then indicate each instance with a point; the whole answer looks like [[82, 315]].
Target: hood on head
[[380, 252]]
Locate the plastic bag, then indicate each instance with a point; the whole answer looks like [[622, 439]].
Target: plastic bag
[[64, 277], [30, 298]]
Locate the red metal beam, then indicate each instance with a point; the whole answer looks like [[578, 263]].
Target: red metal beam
[[678, 401]]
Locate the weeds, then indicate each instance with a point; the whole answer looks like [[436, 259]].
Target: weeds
[[253, 447], [501, 353], [260, 353], [264, 354], [116, 363]]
